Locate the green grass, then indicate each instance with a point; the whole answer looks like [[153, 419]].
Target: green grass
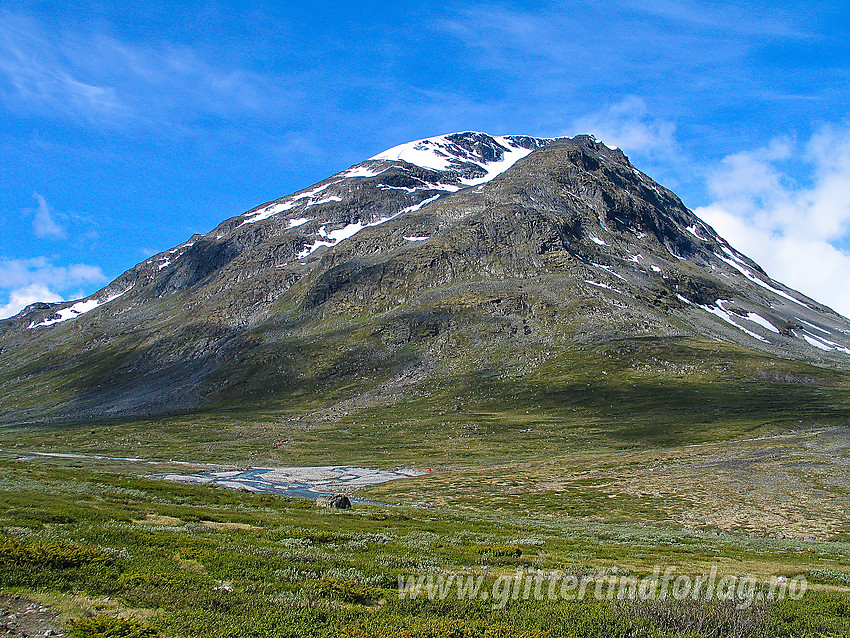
[[633, 394], [109, 627], [583, 463], [185, 560]]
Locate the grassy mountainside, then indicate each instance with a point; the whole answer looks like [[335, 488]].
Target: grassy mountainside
[[618, 395]]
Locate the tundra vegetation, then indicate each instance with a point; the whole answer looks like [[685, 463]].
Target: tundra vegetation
[[600, 384], [746, 488]]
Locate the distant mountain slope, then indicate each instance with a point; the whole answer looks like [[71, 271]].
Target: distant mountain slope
[[459, 252]]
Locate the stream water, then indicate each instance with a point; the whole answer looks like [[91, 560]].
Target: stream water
[[306, 482]]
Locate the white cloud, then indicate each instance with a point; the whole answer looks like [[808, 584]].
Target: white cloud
[[29, 280], [19, 273], [21, 298], [794, 230], [43, 224], [628, 125]]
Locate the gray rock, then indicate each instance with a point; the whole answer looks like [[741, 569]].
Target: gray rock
[[337, 501]]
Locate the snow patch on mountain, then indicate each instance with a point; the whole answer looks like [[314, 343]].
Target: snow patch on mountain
[[736, 263], [494, 154], [324, 200], [599, 284], [268, 211], [764, 323], [291, 202], [362, 170], [298, 221], [811, 325], [821, 343], [75, 310], [694, 230], [349, 230], [609, 269], [817, 343], [426, 186], [455, 153], [728, 317]]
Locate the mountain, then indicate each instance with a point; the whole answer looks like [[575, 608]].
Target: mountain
[[457, 255]]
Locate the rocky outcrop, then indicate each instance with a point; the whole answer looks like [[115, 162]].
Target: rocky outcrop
[[335, 501]]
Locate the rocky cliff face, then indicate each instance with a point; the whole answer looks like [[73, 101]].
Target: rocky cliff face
[[464, 251]]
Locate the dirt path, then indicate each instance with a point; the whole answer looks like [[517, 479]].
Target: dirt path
[[23, 617]]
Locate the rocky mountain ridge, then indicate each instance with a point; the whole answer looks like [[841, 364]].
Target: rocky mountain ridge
[[456, 251]]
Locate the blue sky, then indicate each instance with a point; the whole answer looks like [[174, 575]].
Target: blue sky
[[125, 127]]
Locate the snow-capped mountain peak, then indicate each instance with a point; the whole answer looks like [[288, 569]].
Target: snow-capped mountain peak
[[411, 252], [465, 159], [456, 151]]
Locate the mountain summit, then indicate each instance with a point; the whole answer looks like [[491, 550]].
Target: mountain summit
[[445, 256]]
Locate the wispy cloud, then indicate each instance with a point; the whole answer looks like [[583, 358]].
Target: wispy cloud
[[797, 230], [694, 58], [103, 80], [724, 17], [37, 72], [563, 46], [43, 224]]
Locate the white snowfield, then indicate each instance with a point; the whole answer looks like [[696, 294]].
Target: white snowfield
[[728, 317], [441, 154], [610, 270], [76, 309], [299, 221], [600, 284], [738, 264], [694, 230], [361, 170], [734, 319], [764, 323], [436, 153], [335, 236], [820, 342], [309, 199]]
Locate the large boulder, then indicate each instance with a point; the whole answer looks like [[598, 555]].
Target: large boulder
[[336, 501]]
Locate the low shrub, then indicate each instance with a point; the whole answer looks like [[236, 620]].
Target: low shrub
[[54, 554], [829, 576], [514, 551], [441, 628], [349, 591], [109, 627]]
